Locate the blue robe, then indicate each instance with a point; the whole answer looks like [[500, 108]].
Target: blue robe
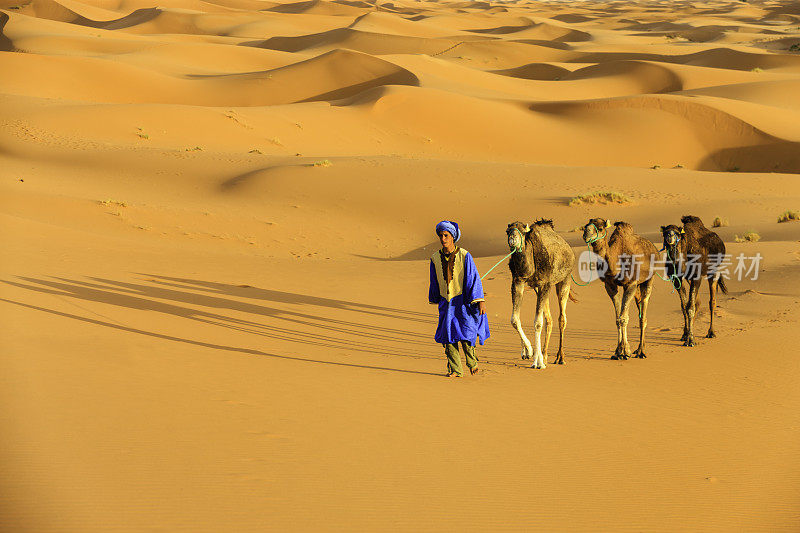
[[459, 313]]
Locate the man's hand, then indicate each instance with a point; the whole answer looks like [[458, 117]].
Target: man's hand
[[482, 307]]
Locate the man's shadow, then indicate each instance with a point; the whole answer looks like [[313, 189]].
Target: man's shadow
[[302, 328], [248, 351]]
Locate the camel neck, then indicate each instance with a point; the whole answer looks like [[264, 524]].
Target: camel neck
[[524, 257], [600, 246], [676, 252]]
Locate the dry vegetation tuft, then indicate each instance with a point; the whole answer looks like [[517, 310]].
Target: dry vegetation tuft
[[599, 197], [112, 203], [750, 236]]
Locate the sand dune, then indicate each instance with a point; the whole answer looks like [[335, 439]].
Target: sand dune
[[651, 78], [724, 58], [344, 73], [778, 93], [367, 42], [6, 44], [164, 55], [535, 71], [539, 31], [217, 218], [316, 7], [384, 23], [332, 75]]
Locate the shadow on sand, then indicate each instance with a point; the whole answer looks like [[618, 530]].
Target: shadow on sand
[[223, 305], [185, 298]]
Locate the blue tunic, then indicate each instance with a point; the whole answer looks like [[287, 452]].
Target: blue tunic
[[459, 313]]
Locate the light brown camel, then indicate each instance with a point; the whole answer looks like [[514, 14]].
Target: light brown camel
[[694, 252], [542, 259], [626, 262]]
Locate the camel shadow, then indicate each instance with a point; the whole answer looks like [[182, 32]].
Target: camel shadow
[[214, 304], [248, 291], [235, 349], [271, 314]]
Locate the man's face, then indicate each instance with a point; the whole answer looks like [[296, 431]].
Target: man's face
[[447, 240]]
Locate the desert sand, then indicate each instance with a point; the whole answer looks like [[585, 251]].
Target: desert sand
[[216, 221]]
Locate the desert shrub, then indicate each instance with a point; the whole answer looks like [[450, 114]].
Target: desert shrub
[[750, 236], [112, 203], [719, 222], [600, 197]]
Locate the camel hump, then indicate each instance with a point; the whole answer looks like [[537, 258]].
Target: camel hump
[[652, 249], [544, 222], [690, 219], [623, 227]]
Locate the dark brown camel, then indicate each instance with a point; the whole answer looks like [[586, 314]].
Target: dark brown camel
[[626, 262], [542, 259], [694, 252]]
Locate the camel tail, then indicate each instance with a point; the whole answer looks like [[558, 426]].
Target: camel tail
[[572, 297], [722, 286]]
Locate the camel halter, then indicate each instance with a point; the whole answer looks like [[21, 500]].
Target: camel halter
[[678, 237], [516, 249], [596, 238], [597, 235], [673, 278]]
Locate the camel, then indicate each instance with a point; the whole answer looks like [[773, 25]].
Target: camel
[[541, 259], [694, 252], [626, 263]]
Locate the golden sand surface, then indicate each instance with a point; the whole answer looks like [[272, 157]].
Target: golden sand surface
[[216, 218]]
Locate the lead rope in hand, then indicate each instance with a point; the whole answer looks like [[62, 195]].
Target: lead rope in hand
[[517, 249]]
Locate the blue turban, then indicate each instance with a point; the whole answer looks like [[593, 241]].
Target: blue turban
[[450, 227]]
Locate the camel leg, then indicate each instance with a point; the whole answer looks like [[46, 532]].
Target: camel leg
[[548, 327], [712, 303], [637, 298], [697, 298], [562, 292], [541, 298], [691, 309], [627, 299], [645, 289], [517, 289], [684, 296], [616, 299]]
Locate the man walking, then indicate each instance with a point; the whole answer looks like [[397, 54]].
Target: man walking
[[456, 288]]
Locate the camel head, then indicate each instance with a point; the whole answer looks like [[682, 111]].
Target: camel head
[[516, 232], [672, 235], [595, 229]]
